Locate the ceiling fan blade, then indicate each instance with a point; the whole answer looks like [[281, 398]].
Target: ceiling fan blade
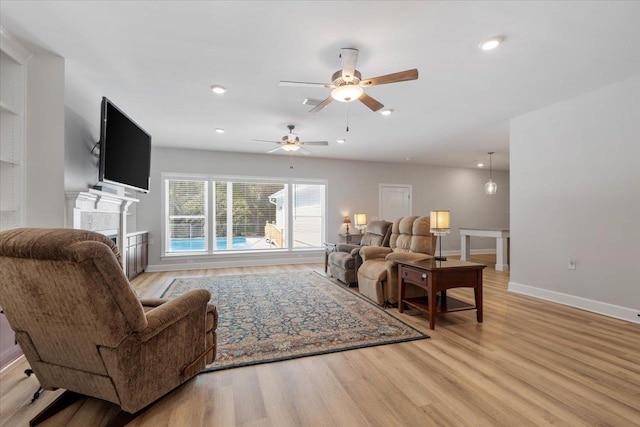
[[304, 151], [370, 102], [305, 84], [315, 143], [274, 150], [321, 105], [264, 140], [401, 76], [311, 101], [349, 57]]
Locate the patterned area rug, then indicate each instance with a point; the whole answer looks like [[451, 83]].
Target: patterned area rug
[[271, 317]]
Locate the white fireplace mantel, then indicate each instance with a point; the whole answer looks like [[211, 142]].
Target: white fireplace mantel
[[100, 211]]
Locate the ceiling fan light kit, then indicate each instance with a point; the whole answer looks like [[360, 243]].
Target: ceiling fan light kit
[[347, 92], [290, 147]]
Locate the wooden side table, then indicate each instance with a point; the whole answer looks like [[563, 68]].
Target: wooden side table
[[436, 277], [328, 248]]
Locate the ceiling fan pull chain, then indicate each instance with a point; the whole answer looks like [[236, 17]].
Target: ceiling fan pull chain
[[347, 117]]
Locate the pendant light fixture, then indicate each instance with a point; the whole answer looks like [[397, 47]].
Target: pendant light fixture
[[490, 187]]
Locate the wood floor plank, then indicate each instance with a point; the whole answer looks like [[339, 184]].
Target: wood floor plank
[[531, 362]]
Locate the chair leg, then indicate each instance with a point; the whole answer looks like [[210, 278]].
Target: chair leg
[[37, 394]]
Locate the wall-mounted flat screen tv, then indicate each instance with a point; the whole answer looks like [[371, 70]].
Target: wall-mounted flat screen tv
[[125, 150]]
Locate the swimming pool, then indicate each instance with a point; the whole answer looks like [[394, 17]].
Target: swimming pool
[[186, 245]]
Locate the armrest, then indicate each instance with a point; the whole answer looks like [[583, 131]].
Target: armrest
[[373, 252], [346, 247], [171, 311], [405, 256], [153, 302]]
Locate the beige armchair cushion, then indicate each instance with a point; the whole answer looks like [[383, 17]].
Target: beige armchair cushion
[[374, 252], [405, 256]]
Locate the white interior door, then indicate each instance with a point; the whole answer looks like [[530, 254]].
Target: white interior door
[[395, 201]]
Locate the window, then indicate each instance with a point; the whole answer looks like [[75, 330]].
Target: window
[[246, 214], [186, 215], [307, 212]]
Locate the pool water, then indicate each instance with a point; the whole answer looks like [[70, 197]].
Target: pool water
[[184, 245]]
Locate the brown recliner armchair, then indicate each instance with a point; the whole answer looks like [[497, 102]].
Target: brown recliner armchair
[[411, 239], [345, 260], [83, 329]]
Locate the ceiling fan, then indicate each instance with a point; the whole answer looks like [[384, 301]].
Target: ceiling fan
[[347, 83], [291, 143]]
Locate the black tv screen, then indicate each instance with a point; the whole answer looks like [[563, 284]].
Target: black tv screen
[[125, 150]]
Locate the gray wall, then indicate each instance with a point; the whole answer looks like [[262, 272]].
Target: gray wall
[[575, 186], [352, 187], [81, 171]]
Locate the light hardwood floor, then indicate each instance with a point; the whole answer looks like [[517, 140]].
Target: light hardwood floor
[[531, 363]]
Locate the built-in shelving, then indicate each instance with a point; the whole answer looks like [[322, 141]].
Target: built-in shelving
[[13, 60]]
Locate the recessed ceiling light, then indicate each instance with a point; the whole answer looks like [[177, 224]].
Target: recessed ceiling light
[[218, 89], [219, 130], [480, 164], [491, 43], [341, 141], [386, 112]]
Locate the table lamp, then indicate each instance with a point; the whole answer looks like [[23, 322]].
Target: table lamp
[[347, 220], [440, 225], [361, 221]]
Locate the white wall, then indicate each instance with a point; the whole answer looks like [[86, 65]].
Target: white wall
[[575, 193], [44, 180], [352, 187]]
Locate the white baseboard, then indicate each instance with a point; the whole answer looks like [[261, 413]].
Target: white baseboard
[[593, 306], [237, 260]]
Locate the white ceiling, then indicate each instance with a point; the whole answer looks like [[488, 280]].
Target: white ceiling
[[157, 60]]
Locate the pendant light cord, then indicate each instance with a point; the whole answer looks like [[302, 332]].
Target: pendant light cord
[[490, 166]]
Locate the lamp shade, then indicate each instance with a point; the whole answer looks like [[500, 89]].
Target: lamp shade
[[346, 220], [360, 219], [440, 222]]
